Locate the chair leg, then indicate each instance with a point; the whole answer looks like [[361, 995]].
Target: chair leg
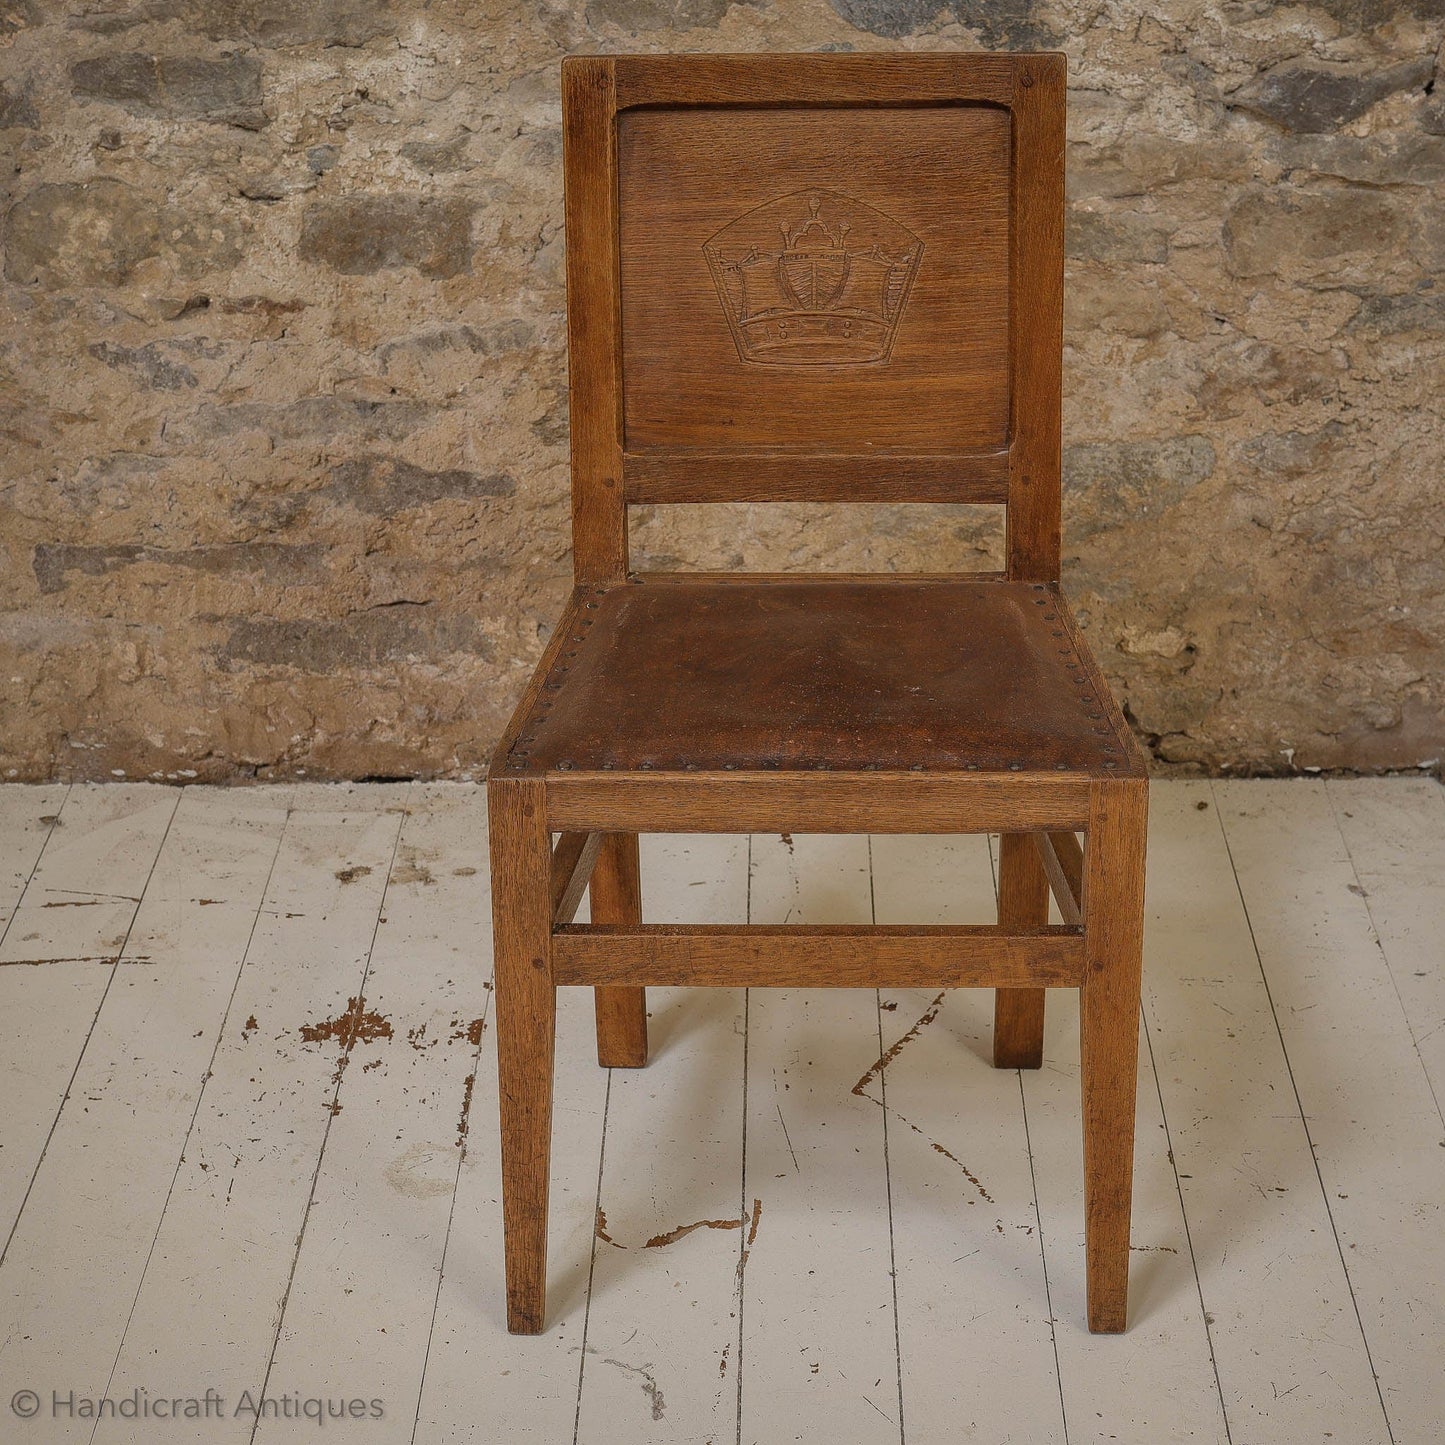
[[616, 894], [1023, 902], [1109, 1038], [526, 1015]]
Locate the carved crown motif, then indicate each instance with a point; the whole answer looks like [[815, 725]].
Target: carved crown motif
[[815, 278]]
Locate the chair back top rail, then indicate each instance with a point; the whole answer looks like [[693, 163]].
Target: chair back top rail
[[815, 278]]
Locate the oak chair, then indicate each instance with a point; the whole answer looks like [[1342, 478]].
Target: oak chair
[[820, 278]]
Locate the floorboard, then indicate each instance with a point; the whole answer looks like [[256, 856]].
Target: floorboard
[[359, 1309], [58, 958], [1394, 831], [27, 818], [216, 1281], [819, 1352], [1362, 1089], [1260, 1230], [662, 1330], [972, 1294], [82, 1243]]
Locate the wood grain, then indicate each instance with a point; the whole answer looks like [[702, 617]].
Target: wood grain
[[1023, 903], [818, 80], [573, 860], [689, 475], [930, 376], [594, 327], [1109, 1037], [526, 1031], [616, 898], [816, 802], [664, 154], [818, 955], [1036, 321], [1063, 862]]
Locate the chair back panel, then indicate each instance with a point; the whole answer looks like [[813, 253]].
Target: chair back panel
[[815, 280], [831, 278]]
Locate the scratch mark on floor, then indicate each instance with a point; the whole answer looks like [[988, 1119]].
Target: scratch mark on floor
[[893, 1050], [658, 1241], [888, 1056], [939, 1149], [105, 958], [747, 1248], [778, 1106], [599, 1228], [468, 1084], [649, 1384], [89, 897], [408, 1175], [880, 1410]]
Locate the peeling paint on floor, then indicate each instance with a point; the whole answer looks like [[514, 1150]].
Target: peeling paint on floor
[[356, 1025]]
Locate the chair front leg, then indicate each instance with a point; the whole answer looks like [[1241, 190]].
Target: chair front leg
[[1023, 903], [616, 895], [1109, 1037], [526, 1019]]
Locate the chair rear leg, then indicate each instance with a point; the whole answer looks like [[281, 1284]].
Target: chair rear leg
[[616, 894], [1109, 1038], [526, 1014], [1023, 902]]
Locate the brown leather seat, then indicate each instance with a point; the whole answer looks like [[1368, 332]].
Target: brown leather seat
[[702, 675]]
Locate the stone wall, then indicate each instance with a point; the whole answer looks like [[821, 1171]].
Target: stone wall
[[283, 488]]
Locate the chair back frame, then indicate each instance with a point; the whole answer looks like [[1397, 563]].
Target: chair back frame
[[1016, 463]]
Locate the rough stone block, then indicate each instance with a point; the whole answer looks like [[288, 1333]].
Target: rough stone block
[[1118, 484], [1301, 96], [1279, 231], [80, 233], [227, 90], [365, 640], [360, 235], [17, 107], [386, 485]]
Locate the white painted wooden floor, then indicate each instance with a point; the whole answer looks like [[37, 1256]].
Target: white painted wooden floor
[[248, 1142]]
